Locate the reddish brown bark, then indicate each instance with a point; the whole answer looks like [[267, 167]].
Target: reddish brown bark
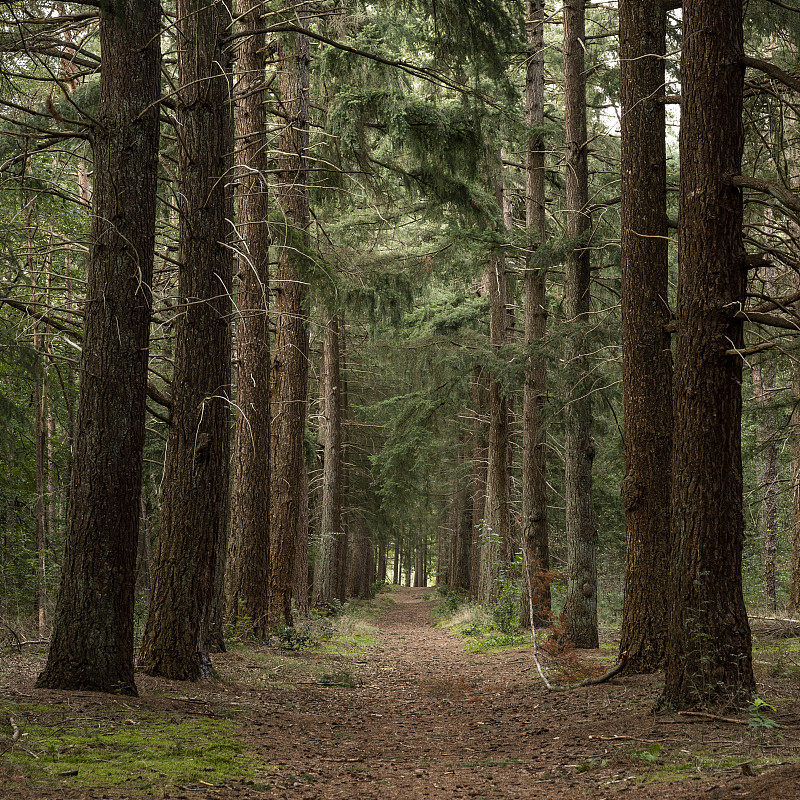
[[646, 354], [708, 655]]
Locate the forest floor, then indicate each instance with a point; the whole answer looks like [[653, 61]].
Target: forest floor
[[402, 710]]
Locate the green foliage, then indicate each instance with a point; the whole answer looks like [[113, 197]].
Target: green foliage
[[287, 637], [757, 715]]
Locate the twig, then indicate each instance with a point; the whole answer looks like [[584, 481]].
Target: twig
[[715, 717], [15, 729]]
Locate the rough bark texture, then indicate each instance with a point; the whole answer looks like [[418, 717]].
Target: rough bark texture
[[794, 427], [248, 550], [495, 534], [535, 545], [708, 657], [764, 393], [479, 404], [290, 364], [91, 647], [325, 572], [194, 498], [646, 354], [300, 579], [580, 607]]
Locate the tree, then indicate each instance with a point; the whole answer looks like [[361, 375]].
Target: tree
[[708, 654], [248, 551], [646, 353], [194, 497], [290, 360], [92, 641], [331, 535], [536, 588], [580, 607]]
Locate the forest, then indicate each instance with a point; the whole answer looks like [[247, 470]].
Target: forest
[[306, 306]]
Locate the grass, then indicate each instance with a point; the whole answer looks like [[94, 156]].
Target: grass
[[135, 750]]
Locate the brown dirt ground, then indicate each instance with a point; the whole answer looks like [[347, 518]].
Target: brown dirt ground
[[426, 719]]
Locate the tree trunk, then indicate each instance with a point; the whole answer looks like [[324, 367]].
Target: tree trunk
[[40, 439], [194, 497], [794, 435], [646, 354], [535, 547], [290, 365], [381, 576], [300, 582], [459, 577], [331, 534], [479, 459], [398, 543], [763, 390], [248, 550], [708, 655], [496, 546], [580, 608], [91, 647]]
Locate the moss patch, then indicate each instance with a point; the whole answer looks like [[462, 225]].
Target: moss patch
[[135, 750]]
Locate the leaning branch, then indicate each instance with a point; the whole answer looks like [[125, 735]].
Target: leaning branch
[[773, 70], [788, 198]]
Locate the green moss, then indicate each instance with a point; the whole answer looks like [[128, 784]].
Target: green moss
[[138, 751]]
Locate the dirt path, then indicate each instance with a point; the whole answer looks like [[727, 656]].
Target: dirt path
[[418, 717], [432, 721]]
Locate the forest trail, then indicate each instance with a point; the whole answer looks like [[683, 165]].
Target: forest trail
[[429, 720], [417, 717]]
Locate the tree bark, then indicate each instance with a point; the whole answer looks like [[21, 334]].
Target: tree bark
[[479, 464], [646, 353], [580, 607], [535, 544], [91, 647], [194, 498], [290, 365], [708, 654], [248, 550], [331, 534], [763, 390]]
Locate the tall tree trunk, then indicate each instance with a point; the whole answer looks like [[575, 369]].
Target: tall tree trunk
[[300, 579], [479, 459], [248, 550], [763, 390], [794, 434], [646, 353], [331, 534], [496, 528], [398, 543], [381, 576], [535, 546], [708, 655], [290, 366], [40, 440], [194, 498], [580, 608], [91, 647]]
